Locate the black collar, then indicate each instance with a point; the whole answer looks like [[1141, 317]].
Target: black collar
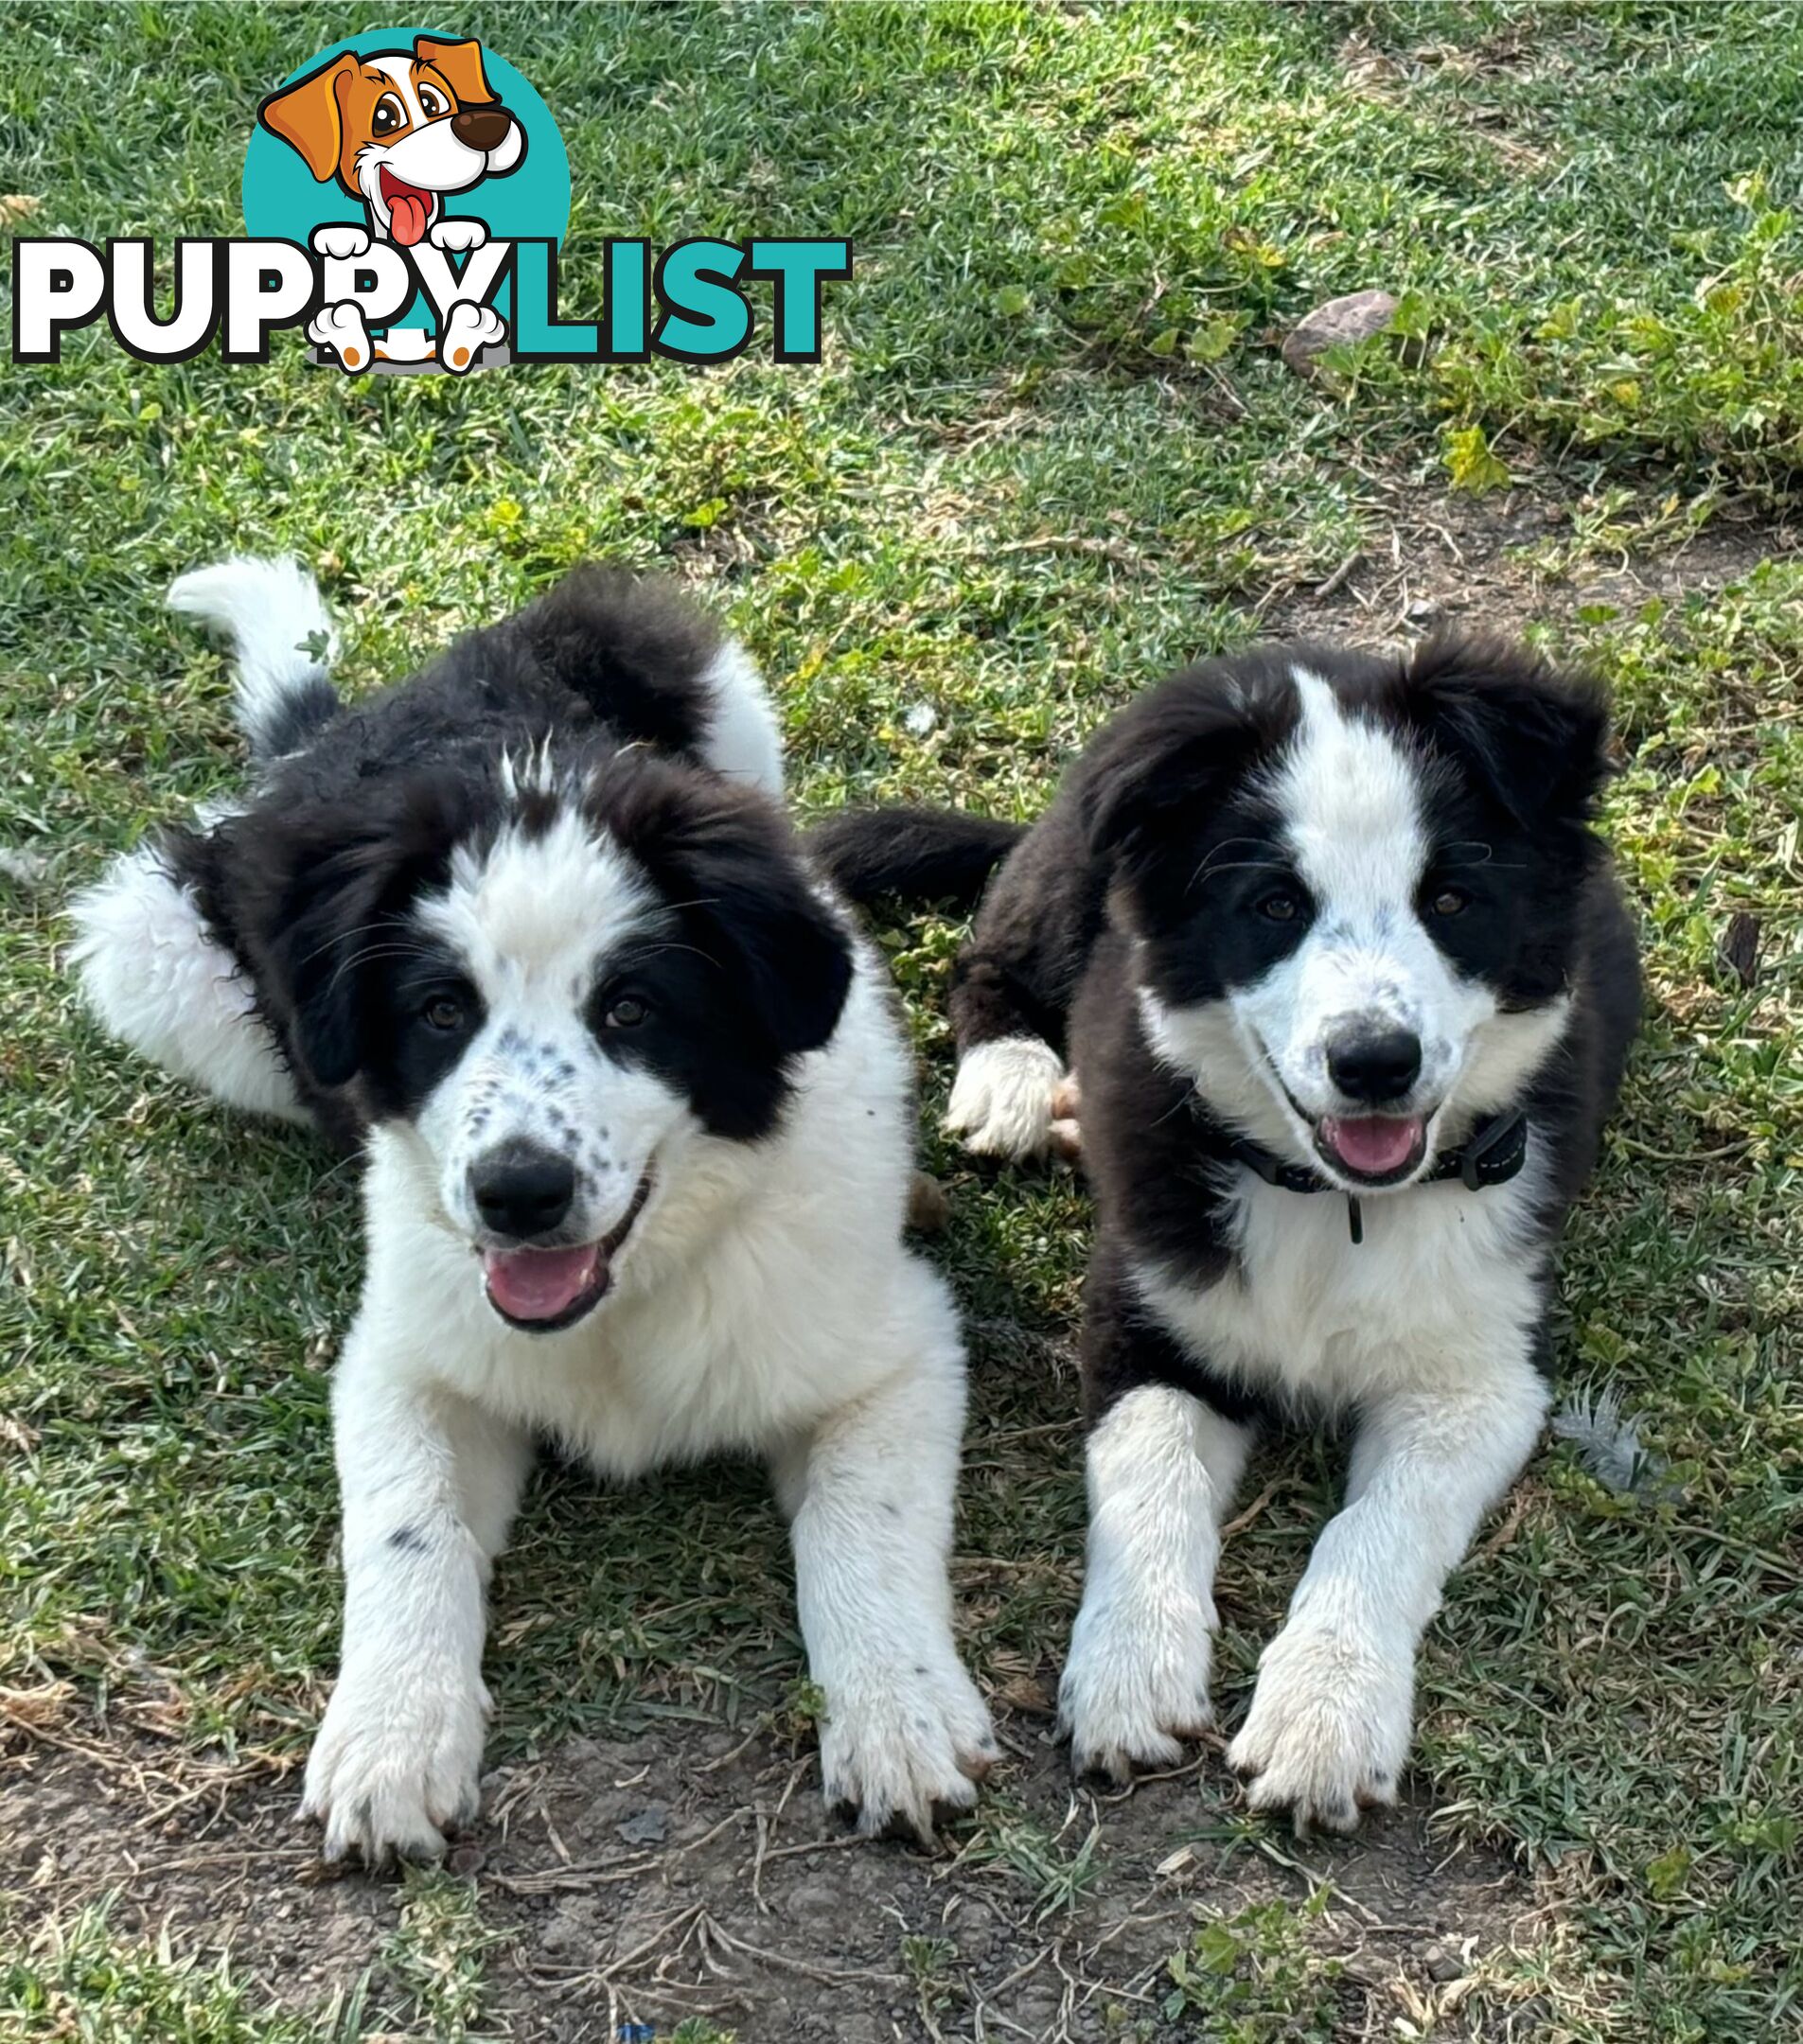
[[1493, 1154]]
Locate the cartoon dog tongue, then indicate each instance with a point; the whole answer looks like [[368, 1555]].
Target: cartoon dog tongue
[[409, 209]]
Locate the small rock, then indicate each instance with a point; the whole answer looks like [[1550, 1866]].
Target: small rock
[[1355, 317], [1443, 1963], [648, 1826]]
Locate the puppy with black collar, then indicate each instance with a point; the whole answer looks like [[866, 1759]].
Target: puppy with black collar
[[1341, 967]]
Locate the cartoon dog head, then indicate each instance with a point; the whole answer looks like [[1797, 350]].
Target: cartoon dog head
[[398, 130]]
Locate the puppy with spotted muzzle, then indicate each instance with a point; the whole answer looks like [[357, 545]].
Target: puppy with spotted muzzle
[[1319, 959], [637, 1115]]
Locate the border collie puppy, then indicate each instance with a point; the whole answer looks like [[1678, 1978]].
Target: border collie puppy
[[636, 1111], [1344, 974]]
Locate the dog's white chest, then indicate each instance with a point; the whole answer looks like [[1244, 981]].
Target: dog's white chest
[[1442, 1278]]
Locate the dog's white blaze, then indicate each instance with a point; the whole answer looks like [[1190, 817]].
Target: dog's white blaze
[[399, 71], [1161, 1469], [1350, 799], [532, 921]]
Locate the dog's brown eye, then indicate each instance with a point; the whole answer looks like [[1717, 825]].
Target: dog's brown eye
[[1449, 901], [627, 1012], [431, 103], [1280, 906], [387, 117], [443, 1011]]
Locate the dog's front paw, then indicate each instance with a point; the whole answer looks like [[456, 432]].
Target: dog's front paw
[[341, 241], [1328, 1731], [468, 331], [456, 236], [1001, 1100], [388, 1772], [901, 1741], [1136, 1682], [340, 329]]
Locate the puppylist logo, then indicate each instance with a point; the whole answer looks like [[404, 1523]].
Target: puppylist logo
[[405, 195]]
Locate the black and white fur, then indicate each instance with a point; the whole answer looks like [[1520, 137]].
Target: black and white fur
[[1315, 900], [533, 930]]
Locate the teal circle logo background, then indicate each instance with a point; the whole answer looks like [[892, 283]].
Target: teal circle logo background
[[283, 203]]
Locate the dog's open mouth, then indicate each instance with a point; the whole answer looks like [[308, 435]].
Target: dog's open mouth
[[410, 210], [1376, 1150], [542, 1290]]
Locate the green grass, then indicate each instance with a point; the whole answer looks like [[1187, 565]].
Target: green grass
[[1052, 452]]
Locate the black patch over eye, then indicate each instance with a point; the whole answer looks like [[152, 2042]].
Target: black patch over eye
[[626, 1012], [1448, 901], [1280, 905], [387, 117], [445, 1012]]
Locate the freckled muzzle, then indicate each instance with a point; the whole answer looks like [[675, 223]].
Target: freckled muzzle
[[542, 1289]]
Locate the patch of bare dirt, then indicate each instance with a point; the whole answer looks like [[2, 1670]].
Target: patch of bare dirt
[[1502, 564], [695, 1872]]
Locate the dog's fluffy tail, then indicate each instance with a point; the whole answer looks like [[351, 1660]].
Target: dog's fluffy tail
[[913, 854], [273, 615]]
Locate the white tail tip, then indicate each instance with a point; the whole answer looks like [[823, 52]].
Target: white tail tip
[[276, 620]]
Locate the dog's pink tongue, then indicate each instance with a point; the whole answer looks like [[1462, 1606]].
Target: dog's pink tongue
[[408, 212], [1374, 1145], [539, 1284]]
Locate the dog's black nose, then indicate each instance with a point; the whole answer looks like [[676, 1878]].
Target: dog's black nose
[[482, 128], [522, 1192], [1374, 1064]]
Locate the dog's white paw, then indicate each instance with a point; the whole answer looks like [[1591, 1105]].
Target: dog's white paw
[[901, 1740], [388, 1772], [456, 236], [340, 329], [1136, 1681], [468, 331], [1328, 1731], [341, 240], [1001, 1100]]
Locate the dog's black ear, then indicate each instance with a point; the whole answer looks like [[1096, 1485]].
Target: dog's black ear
[[331, 885], [1535, 737], [1147, 782], [727, 859]]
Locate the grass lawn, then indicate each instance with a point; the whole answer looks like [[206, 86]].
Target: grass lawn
[[1052, 451]]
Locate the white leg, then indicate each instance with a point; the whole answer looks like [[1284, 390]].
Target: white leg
[[870, 1495], [1328, 1727], [1002, 1098], [1163, 1468], [430, 1486], [156, 979]]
